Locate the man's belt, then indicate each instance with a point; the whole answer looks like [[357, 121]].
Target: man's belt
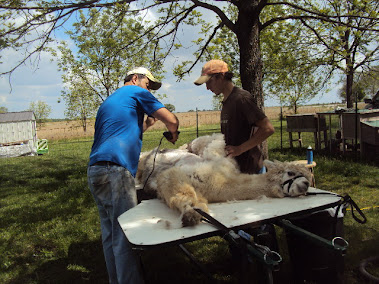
[[105, 163]]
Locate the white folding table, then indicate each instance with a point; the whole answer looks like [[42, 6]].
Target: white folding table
[[152, 223]]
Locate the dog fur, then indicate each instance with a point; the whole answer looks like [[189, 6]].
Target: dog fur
[[199, 173]]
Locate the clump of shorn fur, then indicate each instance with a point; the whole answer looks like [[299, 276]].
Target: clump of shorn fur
[[200, 172]]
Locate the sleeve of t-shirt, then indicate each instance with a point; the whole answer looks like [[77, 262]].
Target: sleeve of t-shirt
[[148, 102], [250, 110]]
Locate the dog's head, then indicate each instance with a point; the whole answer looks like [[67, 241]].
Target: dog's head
[[295, 179]]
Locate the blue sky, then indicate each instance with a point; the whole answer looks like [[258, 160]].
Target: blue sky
[[40, 80]]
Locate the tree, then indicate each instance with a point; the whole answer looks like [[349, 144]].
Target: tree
[[80, 103], [103, 58], [3, 109], [365, 85], [349, 44], [172, 15], [170, 107], [357, 92], [105, 52], [369, 81], [216, 103], [292, 73], [41, 111]]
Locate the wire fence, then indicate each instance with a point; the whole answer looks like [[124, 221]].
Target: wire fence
[[77, 146], [68, 130], [69, 138], [74, 129]]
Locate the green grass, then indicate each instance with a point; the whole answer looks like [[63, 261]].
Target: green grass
[[50, 231]]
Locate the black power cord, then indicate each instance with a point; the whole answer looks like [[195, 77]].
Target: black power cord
[[152, 170], [168, 136]]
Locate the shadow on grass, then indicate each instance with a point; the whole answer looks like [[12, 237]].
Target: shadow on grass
[[214, 257], [47, 190], [84, 264]]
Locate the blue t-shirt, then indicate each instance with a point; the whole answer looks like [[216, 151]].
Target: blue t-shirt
[[119, 126]]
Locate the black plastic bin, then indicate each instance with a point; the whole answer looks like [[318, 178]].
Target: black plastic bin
[[313, 263]]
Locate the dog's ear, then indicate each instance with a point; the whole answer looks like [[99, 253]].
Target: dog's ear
[[268, 164]]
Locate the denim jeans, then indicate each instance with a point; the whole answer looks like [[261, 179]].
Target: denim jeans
[[113, 189]]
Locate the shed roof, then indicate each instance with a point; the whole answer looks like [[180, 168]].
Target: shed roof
[[17, 116]]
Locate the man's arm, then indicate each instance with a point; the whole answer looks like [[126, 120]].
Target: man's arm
[[150, 121], [170, 120], [265, 130]]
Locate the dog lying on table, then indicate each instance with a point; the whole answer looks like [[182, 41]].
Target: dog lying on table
[[199, 173]]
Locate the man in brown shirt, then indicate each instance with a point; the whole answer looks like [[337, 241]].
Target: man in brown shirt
[[245, 127], [243, 124]]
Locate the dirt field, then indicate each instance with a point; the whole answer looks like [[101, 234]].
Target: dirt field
[[72, 129]]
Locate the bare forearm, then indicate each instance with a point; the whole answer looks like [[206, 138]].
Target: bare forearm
[[168, 118], [259, 137], [172, 124]]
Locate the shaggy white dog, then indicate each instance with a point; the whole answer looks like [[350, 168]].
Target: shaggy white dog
[[200, 172]]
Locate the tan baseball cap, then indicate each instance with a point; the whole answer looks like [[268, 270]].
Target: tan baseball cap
[[155, 84], [211, 67]]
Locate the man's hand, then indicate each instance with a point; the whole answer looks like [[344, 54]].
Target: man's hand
[[172, 136], [265, 129], [150, 121], [233, 151]]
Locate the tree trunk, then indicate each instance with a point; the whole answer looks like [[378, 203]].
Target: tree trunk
[[251, 65], [247, 32], [349, 87], [349, 70], [85, 123]]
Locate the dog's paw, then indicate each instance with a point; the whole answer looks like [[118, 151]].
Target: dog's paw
[[190, 218]]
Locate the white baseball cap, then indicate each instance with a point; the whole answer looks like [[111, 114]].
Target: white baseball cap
[[155, 84]]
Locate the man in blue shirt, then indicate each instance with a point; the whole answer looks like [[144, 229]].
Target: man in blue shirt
[[113, 164]]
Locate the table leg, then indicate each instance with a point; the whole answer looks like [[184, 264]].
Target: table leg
[[290, 136], [318, 132], [330, 133]]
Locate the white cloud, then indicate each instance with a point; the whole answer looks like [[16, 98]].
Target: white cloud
[[39, 80]]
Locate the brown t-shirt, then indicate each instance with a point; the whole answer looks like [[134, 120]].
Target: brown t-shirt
[[238, 117]]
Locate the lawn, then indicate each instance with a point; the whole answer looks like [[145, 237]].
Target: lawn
[[50, 232]]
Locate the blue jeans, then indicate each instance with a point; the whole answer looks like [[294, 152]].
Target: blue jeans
[[113, 188]]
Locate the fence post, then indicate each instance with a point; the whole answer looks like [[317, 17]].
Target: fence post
[[197, 124]]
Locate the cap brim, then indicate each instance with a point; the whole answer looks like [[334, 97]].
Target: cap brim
[[154, 85], [202, 79]]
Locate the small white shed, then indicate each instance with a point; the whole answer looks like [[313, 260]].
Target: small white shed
[[17, 129]]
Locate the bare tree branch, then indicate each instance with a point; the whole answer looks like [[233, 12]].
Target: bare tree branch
[[336, 18], [203, 49], [219, 12], [319, 14]]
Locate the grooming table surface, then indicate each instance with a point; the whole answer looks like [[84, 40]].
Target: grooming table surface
[[144, 225]]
